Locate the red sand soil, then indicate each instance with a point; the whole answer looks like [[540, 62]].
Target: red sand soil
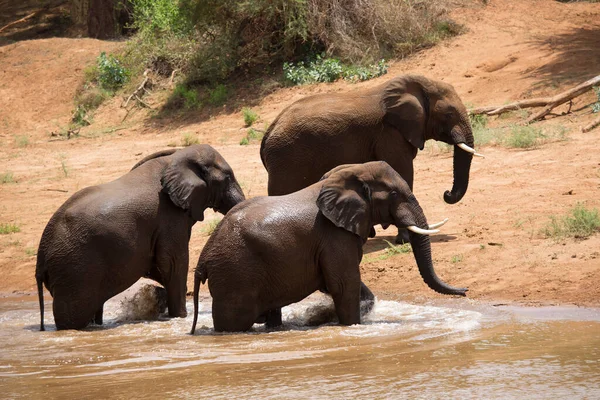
[[512, 50]]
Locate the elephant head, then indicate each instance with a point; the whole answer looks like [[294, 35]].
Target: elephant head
[[198, 177], [357, 196], [423, 109]]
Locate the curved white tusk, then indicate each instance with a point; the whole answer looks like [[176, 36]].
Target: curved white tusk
[[433, 226], [469, 150], [420, 231]]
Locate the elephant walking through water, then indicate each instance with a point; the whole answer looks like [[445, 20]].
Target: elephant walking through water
[[269, 252], [104, 238]]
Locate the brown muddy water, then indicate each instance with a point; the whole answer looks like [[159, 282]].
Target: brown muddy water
[[454, 349]]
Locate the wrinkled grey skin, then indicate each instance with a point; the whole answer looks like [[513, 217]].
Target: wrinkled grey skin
[[106, 237], [269, 252], [389, 122]]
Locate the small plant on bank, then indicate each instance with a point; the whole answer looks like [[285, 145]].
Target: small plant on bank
[[251, 135], [188, 139], [394, 249], [579, 223], [21, 141], [218, 95], [7, 228], [523, 137], [111, 74], [186, 97], [456, 258], [250, 116], [7, 177], [211, 226]]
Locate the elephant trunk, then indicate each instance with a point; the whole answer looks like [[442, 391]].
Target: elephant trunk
[[461, 163], [233, 196], [421, 246]]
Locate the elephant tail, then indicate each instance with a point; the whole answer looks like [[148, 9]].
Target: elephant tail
[[199, 277], [40, 274]]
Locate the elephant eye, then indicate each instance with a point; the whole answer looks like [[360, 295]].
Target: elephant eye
[[393, 193]]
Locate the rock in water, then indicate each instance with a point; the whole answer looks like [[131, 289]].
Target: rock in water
[[146, 304]]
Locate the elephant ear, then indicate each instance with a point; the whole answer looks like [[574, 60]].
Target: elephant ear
[[407, 109], [183, 180], [347, 205]]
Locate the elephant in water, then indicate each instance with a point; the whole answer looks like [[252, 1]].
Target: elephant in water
[[389, 122], [269, 252], [104, 238]]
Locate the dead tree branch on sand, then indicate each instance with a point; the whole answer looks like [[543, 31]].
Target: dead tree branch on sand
[[548, 102], [591, 125], [138, 90], [17, 21]]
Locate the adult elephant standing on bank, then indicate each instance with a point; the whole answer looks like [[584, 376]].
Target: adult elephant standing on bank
[[389, 122]]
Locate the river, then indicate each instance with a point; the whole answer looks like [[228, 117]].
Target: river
[[451, 349]]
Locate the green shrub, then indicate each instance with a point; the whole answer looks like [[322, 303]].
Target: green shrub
[[80, 117], [211, 226], [111, 74], [249, 116], [596, 105], [188, 139], [580, 223], [329, 70], [523, 137], [7, 228], [7, 177], [161, 16], [251, 135], [184, 96], [218, 95]]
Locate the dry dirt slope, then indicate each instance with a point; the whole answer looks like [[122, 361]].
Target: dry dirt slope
[[512, 49]]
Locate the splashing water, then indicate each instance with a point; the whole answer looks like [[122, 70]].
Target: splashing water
[[459, 349]]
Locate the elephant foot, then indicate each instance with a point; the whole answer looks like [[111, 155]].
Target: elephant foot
[[273, 318], [372, 232], [402, 237]]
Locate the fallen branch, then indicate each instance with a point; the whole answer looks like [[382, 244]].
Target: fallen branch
[[548, 102], [591, 125], [57, 190], [140, 88], [17, 21], [172, 77]]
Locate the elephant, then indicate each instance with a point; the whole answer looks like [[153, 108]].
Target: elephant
[[104, 238], [388, 122], [272, 251]]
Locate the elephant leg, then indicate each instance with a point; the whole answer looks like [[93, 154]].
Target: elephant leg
[[71, 312], [173, 268], [232, 316], [367, 299], [340, 267], [98, 315], [273, 318]]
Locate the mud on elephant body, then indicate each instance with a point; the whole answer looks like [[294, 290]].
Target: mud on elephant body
[[389, 122], [104, 238], [269, 252]]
